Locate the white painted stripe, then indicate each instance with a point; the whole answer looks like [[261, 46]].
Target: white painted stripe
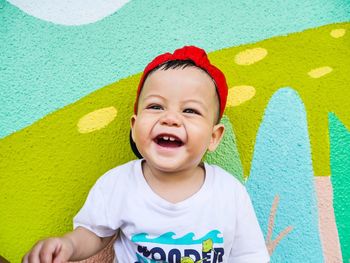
[[69, 12]]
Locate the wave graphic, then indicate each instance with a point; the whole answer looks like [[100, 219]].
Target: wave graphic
[[188, 239]]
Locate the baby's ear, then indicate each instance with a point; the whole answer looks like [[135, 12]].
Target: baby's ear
[[132, 124], [216, 136]]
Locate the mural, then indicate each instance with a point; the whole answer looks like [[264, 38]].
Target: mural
[[67, 89]]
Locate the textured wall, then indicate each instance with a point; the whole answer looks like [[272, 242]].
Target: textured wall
[[67, 86]]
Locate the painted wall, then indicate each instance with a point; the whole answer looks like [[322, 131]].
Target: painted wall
[[68, 75]]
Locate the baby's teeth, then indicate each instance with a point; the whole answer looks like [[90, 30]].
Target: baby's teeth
[[166, 138], [172, 139]]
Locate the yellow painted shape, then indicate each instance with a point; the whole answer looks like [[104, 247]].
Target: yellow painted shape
[[339, 32], [250, 56], [319, 72], [240, 94], [96, 120]]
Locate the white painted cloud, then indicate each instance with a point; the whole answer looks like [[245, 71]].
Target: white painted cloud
[[69, 12]]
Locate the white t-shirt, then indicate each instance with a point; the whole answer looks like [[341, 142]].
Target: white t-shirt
[[216, 224]]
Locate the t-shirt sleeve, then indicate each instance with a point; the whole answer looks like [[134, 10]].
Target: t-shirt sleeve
[[94, 214], [249, 245]]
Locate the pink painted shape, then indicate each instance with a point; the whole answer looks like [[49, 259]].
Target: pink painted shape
[[272, 244], [327, 225]]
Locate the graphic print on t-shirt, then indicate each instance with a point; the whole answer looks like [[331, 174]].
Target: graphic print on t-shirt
[[186, 249]]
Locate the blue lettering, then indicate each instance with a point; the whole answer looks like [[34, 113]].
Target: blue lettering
[[174, 256], [144, 251], [192, 252], [158, 254], [218, 254], [206, 256]]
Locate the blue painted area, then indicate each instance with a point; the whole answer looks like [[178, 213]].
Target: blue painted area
[[282, 166], [44, 66], [188, 239]]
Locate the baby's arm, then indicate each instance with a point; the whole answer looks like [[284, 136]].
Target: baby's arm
[[77, 245]]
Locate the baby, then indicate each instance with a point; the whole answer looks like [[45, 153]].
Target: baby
[[168, 206]]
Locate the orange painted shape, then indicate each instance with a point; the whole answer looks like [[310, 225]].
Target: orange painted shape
[[328, 230]]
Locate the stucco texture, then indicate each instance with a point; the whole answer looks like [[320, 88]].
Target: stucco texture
[[287, 117], [46, 65]]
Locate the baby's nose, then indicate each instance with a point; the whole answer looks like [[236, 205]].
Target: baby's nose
[[170, 119]]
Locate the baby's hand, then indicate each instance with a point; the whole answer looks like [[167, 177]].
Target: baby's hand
[[52, 250]]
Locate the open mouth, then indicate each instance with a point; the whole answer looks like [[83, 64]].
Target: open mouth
[[170, 141]]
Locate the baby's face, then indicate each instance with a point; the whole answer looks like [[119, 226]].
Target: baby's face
[[175, 122]]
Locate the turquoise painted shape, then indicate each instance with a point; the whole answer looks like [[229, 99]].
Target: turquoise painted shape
[[340, 167], [188, 239], [44, 66], [282, 166], [226, 155]]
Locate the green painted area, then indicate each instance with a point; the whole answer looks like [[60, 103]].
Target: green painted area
[[287, 63], [340, 165], [48, 167], [226, 155]]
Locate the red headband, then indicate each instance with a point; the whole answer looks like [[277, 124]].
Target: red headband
[[200, 59]]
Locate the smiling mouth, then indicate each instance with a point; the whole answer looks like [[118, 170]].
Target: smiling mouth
[[170, 141]]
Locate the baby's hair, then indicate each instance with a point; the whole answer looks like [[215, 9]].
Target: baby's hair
[[174, 64]]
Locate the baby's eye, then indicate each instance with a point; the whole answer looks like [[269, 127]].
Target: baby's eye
[[192, 111], [154, 107]]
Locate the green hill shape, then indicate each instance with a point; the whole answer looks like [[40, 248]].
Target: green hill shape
[[340, 164]]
